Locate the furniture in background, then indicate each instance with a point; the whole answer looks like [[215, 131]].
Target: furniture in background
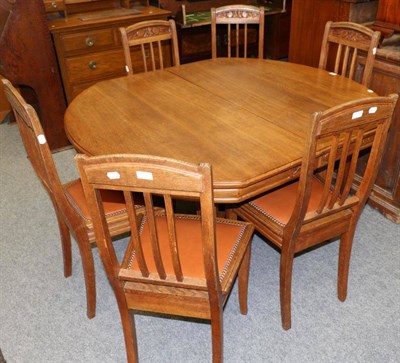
[[88, 42], [262, 136], [308, 21], [68, 199], [348, 39], [28, 60], [155, 40], [277, 33], [175, 264], [387, 19], [385, 195], [238, 20], [194, 32]]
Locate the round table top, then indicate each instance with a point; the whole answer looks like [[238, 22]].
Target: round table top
[[247, 117]]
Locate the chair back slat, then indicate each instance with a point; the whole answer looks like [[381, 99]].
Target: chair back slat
[[134, 242], [154, 37], [341, 169], [172, 237], [338, 57], [153, 252], [353, 63], [348, 39], [343, 132], [155, 247], [345, 61], [238, 37], [330, 171], [160, 57], [352, 167]]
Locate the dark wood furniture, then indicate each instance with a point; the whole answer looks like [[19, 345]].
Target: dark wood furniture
[[5, 107], [277, 33], [28, 60], [308, 21], [238, 22], [247, 117], [175, 264], [385, 195], [387, 17], [315, 209], [68, 199], [153, 43], [343, 41], [194, 32], [88, 43]]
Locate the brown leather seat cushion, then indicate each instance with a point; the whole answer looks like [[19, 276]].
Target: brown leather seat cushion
[[188, 231], [113, 201], [279, 204]]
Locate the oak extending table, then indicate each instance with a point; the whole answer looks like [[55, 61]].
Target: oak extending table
[[248, 118]]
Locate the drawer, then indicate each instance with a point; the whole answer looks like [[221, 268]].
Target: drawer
[[89, 41], [53, 5], [96, 66]]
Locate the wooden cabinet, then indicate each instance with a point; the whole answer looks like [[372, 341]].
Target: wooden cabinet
[[88, 45], [385, 195], [308, 21], [277, 33], [28, 61]]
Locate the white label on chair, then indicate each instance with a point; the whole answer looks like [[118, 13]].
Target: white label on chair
[[333, 73], [372, 109], [42, 139], [127, 69], [357, 114], [113, 175], [144, 175], [370, 91], [374, 51]]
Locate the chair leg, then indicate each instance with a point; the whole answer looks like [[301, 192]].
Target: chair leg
[[88, 272], [128, 325], [346, 243], [127, 319], [286, 270], [217, 337], [65, 244], [243, 280]]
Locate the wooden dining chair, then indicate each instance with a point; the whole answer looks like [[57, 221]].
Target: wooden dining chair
[[176, 264], [347, 40], [320, 205], [157, 42], [68, 199], [241, 16]]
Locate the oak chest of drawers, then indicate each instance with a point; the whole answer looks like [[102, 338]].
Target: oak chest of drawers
[[88, 45]]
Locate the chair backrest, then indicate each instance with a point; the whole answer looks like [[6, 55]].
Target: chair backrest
[[348, 38], [336, 138], [153, 38], [153, 177], [34, 140], [240, 16]]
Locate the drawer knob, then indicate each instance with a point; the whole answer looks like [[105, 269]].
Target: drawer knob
[[54, 5], [92, 65], [89, 42]]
